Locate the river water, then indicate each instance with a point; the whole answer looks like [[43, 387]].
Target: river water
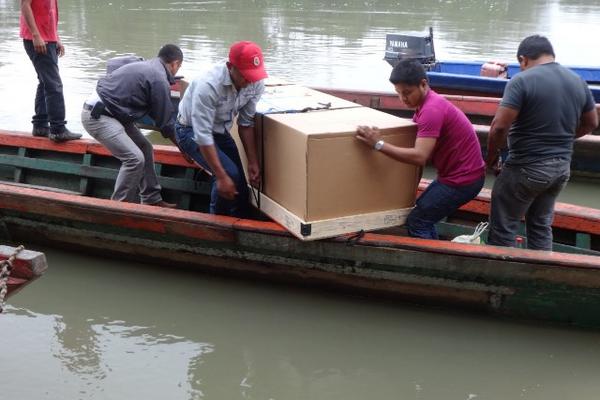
[[95, 328], [102, 329]]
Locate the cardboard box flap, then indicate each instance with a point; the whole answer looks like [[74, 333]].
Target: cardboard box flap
[[342, 122], [297, 99]]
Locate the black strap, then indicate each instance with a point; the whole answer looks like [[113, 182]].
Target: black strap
[[262, 158], [355, 238]]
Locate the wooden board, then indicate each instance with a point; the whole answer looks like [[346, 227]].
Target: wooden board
[[313, 230]]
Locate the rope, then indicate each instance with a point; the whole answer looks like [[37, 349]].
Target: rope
[[256, 195], [6, 267]]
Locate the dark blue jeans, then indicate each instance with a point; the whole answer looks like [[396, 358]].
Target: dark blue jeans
[[436, 203], [49, 100], [231, 162], [528, 191]]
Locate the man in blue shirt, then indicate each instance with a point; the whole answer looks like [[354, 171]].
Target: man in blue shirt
[[206, 114]]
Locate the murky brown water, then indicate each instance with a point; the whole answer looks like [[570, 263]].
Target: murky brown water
[[103, 329]]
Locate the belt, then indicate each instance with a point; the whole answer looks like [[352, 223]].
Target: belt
[[179, 121], [88, 107]]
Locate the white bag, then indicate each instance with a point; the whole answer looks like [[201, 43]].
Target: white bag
[[475, 237]]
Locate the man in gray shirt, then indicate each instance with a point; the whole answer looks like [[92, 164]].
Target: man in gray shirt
[[122, 97], [206, 114], [543, 110]]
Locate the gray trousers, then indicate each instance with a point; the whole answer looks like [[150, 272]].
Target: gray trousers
[[528, 191], [137, 176]]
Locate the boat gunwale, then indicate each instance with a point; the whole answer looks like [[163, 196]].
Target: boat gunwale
[[166, 220]]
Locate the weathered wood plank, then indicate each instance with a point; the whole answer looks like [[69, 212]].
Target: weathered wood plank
[[119, 214], [313, 230]]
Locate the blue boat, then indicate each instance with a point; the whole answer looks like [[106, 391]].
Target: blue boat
[[456, 77], [465, 77]]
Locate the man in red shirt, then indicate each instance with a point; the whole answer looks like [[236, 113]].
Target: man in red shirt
[[446, 137], [39, 30]]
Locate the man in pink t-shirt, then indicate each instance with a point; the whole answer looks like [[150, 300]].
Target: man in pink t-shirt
[[39, 30], [446, 137]]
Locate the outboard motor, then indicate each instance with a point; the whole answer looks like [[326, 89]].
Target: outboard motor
[[404, 47]]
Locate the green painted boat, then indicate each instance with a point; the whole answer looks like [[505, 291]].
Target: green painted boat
[[57, 194]]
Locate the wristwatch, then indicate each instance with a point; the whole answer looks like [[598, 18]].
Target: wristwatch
[[379, 145]]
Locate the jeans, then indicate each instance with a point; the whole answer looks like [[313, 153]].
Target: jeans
[[232, 164], [137, 175], [49, 100], [528, 191], [437, 202]]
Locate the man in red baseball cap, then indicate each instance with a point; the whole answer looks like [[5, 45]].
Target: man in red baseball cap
[[206, 113], [247, 58]]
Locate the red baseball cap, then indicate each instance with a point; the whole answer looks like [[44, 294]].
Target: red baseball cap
[[247, 57]]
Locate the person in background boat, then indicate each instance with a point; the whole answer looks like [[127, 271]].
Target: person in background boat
[[446, 137], [39, 30], [206, 114], [543, 109], [109, 114]]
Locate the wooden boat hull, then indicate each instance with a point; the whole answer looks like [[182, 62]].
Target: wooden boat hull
[[551, 286], [27, 267]]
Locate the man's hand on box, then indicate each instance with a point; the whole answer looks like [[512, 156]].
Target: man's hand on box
[[368, 135]]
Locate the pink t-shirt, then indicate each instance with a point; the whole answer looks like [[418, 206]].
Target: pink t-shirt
[[457, 153], [45, 13]]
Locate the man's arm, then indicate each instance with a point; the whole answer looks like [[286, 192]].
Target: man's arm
[[161, 108], [587, 123], [204, 108], [248, 137], [162, 112], [38, 43], [225, 186], [247, 134], [417, 155], [499, 129]]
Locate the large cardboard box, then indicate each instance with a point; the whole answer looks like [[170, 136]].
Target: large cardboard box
[[318, 180]]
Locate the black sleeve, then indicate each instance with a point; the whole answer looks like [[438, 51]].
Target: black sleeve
[[168, 131], [162, 107]]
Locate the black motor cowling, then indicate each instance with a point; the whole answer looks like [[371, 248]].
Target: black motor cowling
[[400, 47]]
